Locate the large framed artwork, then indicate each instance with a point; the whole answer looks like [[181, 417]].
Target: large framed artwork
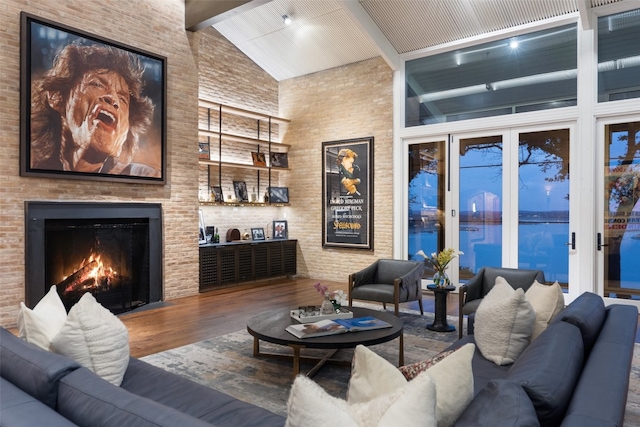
[[347, 196], [91, 108]]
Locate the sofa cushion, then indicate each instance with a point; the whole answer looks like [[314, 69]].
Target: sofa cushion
[[549, 369], [95, 338], [89, 401], [32, 369], [547, 301], [503, 323], [40, 325], [412, 404], [191, 398], [19, 409], [501, 403], [453, 378], [587, 312]]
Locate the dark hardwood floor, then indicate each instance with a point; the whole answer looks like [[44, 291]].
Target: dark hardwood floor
[[191, 319]]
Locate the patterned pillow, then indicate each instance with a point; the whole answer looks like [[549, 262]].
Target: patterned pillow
[[412, 371]]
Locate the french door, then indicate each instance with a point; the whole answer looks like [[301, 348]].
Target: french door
[[500, 197]]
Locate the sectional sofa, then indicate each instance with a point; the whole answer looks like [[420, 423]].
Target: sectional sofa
[[39, 388], [574, 374]]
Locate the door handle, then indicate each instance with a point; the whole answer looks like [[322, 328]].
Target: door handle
[[572, 243], [600, 244]]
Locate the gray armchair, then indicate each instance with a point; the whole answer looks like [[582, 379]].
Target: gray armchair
[[471, 293], [388, 281]]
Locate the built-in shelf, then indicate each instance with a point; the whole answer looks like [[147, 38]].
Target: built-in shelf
[[249, 204]]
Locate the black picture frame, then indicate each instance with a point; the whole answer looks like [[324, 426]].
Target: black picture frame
[[279, 160], [218, 196], [347, 193], [279, 194], [240, 189], [57, 61], [257, 234], [280, 230]]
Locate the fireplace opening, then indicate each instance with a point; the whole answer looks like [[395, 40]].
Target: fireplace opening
[[112, 250]]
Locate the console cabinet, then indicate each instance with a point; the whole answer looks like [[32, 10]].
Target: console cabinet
[[227, 264]]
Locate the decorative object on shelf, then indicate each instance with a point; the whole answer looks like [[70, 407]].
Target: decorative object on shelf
[[347, 195], [279, 160], [259, 159], [240, 188], [246, 235], [280, 230], [257, 234], [266, 196], [203, 230], [440, 262], [254, 196], [140, 127], [216, 237], [279, 194], [217, 194], [233, 234], [203, 150]]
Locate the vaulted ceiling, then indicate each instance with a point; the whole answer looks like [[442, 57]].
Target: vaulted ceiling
[[325, 34]]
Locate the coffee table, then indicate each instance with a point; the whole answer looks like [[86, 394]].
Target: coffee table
[[270, 326]]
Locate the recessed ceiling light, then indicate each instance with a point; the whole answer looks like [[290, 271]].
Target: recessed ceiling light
[[286, 19]]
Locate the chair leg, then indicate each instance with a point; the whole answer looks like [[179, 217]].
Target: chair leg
[[420, 304], [460, 323], [384, 305], [397, 310]]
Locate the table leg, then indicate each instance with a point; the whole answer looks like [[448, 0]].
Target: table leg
[[440, 319], [296, 359], [256, 347]]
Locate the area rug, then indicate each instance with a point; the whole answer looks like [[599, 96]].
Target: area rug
[[226, 363]]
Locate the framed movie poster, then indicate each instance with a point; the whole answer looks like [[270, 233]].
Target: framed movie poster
[[347, 193], [91, 108]]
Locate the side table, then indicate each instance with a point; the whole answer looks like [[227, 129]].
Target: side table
[[440, 321]]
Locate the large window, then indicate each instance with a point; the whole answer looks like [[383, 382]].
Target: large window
[[531, 72], [619, 56]]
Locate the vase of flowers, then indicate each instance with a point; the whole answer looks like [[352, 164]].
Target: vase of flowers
[[336, 298], [440, 262]]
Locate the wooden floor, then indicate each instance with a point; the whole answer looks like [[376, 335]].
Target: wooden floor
[[191, 319]]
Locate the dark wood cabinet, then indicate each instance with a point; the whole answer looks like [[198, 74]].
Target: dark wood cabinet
[[226, 264]]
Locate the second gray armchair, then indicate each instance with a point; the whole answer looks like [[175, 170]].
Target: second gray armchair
[[388, 281]]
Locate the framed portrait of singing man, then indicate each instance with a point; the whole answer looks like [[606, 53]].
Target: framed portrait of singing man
[[91, 108]]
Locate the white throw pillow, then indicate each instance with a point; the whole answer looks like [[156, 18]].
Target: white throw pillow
[[547, 301], [503, 323], [95, 338], [410, 405], [40, 325], [374, 377]]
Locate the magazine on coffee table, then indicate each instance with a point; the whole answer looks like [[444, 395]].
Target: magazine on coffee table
[[337, 326]]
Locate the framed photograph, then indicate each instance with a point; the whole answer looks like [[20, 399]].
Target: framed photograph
[[279, 194], [259, 159], [203, 230], [240, 188], [218, 196], [257, 233], [203, 150], [347, 195], [279, 160], [280, 230], [115, 93]]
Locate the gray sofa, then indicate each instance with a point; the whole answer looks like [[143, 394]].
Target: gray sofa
[[575, 374], [40, 388]]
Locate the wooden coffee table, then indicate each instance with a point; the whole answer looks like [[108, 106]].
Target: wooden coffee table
[[270, 326]]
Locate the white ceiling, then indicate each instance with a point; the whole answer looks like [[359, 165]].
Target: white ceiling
[[330, 33]]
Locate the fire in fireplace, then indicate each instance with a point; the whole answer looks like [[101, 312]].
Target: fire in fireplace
[[109, 249]]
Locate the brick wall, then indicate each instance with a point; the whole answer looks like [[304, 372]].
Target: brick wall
[[342, 103], [152, 25]]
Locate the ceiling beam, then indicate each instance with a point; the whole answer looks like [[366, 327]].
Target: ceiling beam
[[362, 19], [199, 14], [584, 9]]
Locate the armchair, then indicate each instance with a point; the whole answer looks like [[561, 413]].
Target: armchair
[[388, 281], [471, 293]]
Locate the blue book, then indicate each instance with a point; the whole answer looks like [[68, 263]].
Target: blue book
[[362, 323]]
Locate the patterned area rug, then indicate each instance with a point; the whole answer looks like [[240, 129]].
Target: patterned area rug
[[226, 363]]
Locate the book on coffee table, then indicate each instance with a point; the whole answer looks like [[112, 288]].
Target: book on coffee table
[[337, 326]]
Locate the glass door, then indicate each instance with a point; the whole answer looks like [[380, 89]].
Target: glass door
[[619, 241]]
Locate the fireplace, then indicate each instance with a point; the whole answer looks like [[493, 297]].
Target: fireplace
[[113, 250]]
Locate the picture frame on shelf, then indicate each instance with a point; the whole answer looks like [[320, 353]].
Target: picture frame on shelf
[[279, 194], [280, 229], [240, 188], [203, 229], [259, 159], [257, 234], [218, 196], [58, 61], [279, 160], [204, 151]]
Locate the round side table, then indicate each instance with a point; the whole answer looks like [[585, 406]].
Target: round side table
[[440, 321]]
